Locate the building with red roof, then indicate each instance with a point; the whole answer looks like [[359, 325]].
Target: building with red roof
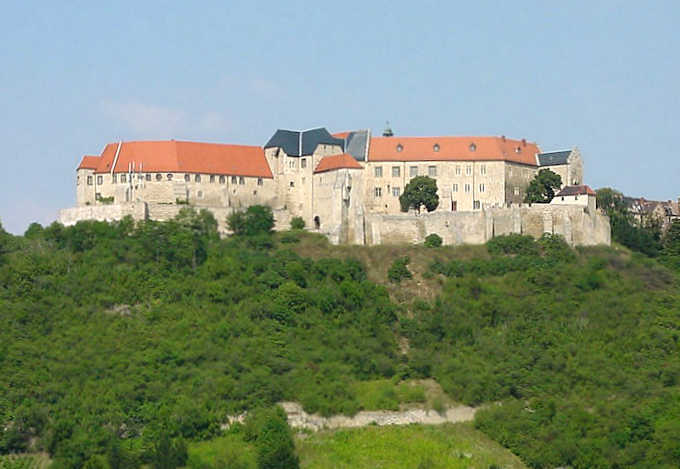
[[330, 180]]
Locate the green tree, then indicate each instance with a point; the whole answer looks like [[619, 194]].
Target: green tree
[[256, 220], [644, 236], [671, 245], [542, 188], [168, 453], [273, 438], [611, 201], [421, 190]]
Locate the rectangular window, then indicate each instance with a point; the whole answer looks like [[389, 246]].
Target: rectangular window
[[148, 177], [413, 171], [457, 170], [303, 162], [115, 178], [481, 188], [378, 171], [378, 191], [432, 171], [212, 178], [223, 179], [241, 180], [396, 191], [100, 180], [482, 169], [89, 180], [476, 205], [234, 180], [197, 178], [468, 170], [455, 188], [396, 171], [259, 181], [467, 187], [77, 180], [516, 190]]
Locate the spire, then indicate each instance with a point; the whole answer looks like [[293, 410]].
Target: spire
[[388, 131]]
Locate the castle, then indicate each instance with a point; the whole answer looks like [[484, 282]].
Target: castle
[[344, 185]]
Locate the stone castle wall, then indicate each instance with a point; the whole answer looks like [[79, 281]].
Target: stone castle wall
[[578, 226], [154, 211]]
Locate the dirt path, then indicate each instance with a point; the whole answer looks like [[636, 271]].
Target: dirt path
[[298, 418]]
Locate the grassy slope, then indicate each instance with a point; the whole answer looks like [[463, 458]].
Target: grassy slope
[[446, 446], [450, 446]]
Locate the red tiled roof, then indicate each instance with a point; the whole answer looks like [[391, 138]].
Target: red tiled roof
[[186, 157], [89, 162], [343, 161], [576, 190], [341, 134], [452, 149]]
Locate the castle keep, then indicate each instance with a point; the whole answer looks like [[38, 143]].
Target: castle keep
[[345, 185]]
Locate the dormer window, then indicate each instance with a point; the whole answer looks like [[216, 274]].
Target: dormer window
[[518, 150], [435, 147], [400, 147], [473, 147]]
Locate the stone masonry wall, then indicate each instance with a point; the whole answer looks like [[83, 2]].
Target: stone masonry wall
[[578, 226]]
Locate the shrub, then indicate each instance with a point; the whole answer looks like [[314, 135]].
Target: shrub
[[297, 223], [555, 247], [257, 219], [512, 244], [399, 270], [433, 240]]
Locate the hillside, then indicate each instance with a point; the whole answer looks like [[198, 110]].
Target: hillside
[[131, 334]]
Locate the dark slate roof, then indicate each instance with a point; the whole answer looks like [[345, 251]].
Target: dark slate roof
[[288, 140], [553, 158], [356, 144], [291, 140]]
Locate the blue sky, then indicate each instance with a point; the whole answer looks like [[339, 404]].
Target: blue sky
[[74, 76]]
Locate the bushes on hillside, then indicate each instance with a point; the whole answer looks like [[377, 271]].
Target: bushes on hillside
[[189, 328], [512, 244], [398, 271], [255, 220]]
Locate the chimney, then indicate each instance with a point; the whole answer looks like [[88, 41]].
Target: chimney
[[524, 142], [503, 137]]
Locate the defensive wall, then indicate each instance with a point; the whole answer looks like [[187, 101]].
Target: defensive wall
[[153, 211], [578, 225]]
